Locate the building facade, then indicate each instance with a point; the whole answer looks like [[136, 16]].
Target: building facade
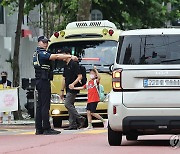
[[30, 27], [30, 32]]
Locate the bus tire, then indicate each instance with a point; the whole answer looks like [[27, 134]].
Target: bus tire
[[57, 122]]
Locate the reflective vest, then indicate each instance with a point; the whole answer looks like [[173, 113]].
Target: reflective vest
[[37, 64], [42, 70]]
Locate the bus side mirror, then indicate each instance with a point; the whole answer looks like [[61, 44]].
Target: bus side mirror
[[111, 67]]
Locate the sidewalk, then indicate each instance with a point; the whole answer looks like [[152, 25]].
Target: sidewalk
[[19, 122], [25, 121]]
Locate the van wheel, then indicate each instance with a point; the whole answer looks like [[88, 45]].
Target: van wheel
[[114, 137], [131, 137], [57, 122]]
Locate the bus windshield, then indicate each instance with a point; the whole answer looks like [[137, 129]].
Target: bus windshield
[[103, 50]]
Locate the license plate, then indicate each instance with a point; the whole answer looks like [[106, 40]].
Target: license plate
[[161, 82], [81, 109]]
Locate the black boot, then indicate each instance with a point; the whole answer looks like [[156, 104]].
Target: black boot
[[71, 128], [39, 132], [51, 132], [82, 121]]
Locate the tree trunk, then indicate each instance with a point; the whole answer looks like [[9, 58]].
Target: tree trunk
[[44, 21], [16, 71], [84, 8]]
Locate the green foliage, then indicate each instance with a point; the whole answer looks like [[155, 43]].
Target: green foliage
[[69, 13], [131, 14], [29, 4], [126, 14]]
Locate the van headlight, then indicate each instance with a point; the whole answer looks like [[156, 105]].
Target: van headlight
[[55, 98]]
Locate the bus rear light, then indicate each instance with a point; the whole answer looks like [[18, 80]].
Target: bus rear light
[[56, 34], [111, 32], [116, 80], [114, 110]]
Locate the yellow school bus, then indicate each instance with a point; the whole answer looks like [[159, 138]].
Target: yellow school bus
[[87, 39]]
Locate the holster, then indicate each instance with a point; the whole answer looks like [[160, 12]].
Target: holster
[[44, 74]]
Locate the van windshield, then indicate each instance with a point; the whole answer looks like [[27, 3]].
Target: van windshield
[[149, 49], [104, 50]]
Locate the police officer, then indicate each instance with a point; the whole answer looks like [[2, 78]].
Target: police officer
[[43, 74]]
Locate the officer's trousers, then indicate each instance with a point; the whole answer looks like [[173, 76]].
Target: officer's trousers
[[43, 104]]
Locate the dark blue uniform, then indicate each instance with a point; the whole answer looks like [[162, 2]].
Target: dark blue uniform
[[43, 76]]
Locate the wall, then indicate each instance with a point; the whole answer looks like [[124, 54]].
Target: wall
[[10, 22], [2, 30], [5, 55], [27, 49]]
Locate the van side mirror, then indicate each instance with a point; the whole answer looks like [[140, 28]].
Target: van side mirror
[[111, 67]]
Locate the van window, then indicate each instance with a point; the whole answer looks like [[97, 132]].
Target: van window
[[104, 50], [1, 13], [149, 49]]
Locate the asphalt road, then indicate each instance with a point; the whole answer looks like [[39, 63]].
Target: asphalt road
[[21, 140]]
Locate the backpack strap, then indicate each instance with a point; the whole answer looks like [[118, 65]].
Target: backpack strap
[[87, 85], [96, 85]]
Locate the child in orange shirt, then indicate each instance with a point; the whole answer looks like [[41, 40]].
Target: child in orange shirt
[[93, 98]]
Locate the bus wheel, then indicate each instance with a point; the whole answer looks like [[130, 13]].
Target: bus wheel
[[57, 122]]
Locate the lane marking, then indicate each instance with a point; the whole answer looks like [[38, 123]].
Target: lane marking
[[95, 131], [27, 133], [32, 132]]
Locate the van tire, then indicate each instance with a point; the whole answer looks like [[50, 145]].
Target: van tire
[[114, 137], [57, 122], [131, 137]]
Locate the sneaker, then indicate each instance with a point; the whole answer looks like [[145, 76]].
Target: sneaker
[[39, 132], [82, 121], [105, 123], [51, 132], [89, 128]]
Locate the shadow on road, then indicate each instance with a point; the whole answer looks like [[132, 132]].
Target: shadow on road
[[147, 143]]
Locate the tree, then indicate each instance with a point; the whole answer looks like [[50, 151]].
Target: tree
[[16, 73], [84, 8], [131, 14], [23, 6], [126, 14], [51, 16]]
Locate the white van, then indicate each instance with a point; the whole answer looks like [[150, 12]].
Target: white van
[[145, 99]]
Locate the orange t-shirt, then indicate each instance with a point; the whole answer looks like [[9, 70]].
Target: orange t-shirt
[[93, 95]]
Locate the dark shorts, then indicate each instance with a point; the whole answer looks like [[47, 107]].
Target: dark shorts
[[92, 107]]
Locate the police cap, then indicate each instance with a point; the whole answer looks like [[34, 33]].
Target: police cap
[[43, 39]]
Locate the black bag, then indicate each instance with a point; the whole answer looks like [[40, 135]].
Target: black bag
[[84, 78]]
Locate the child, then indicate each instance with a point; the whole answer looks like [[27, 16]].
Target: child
[[93, 98]]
